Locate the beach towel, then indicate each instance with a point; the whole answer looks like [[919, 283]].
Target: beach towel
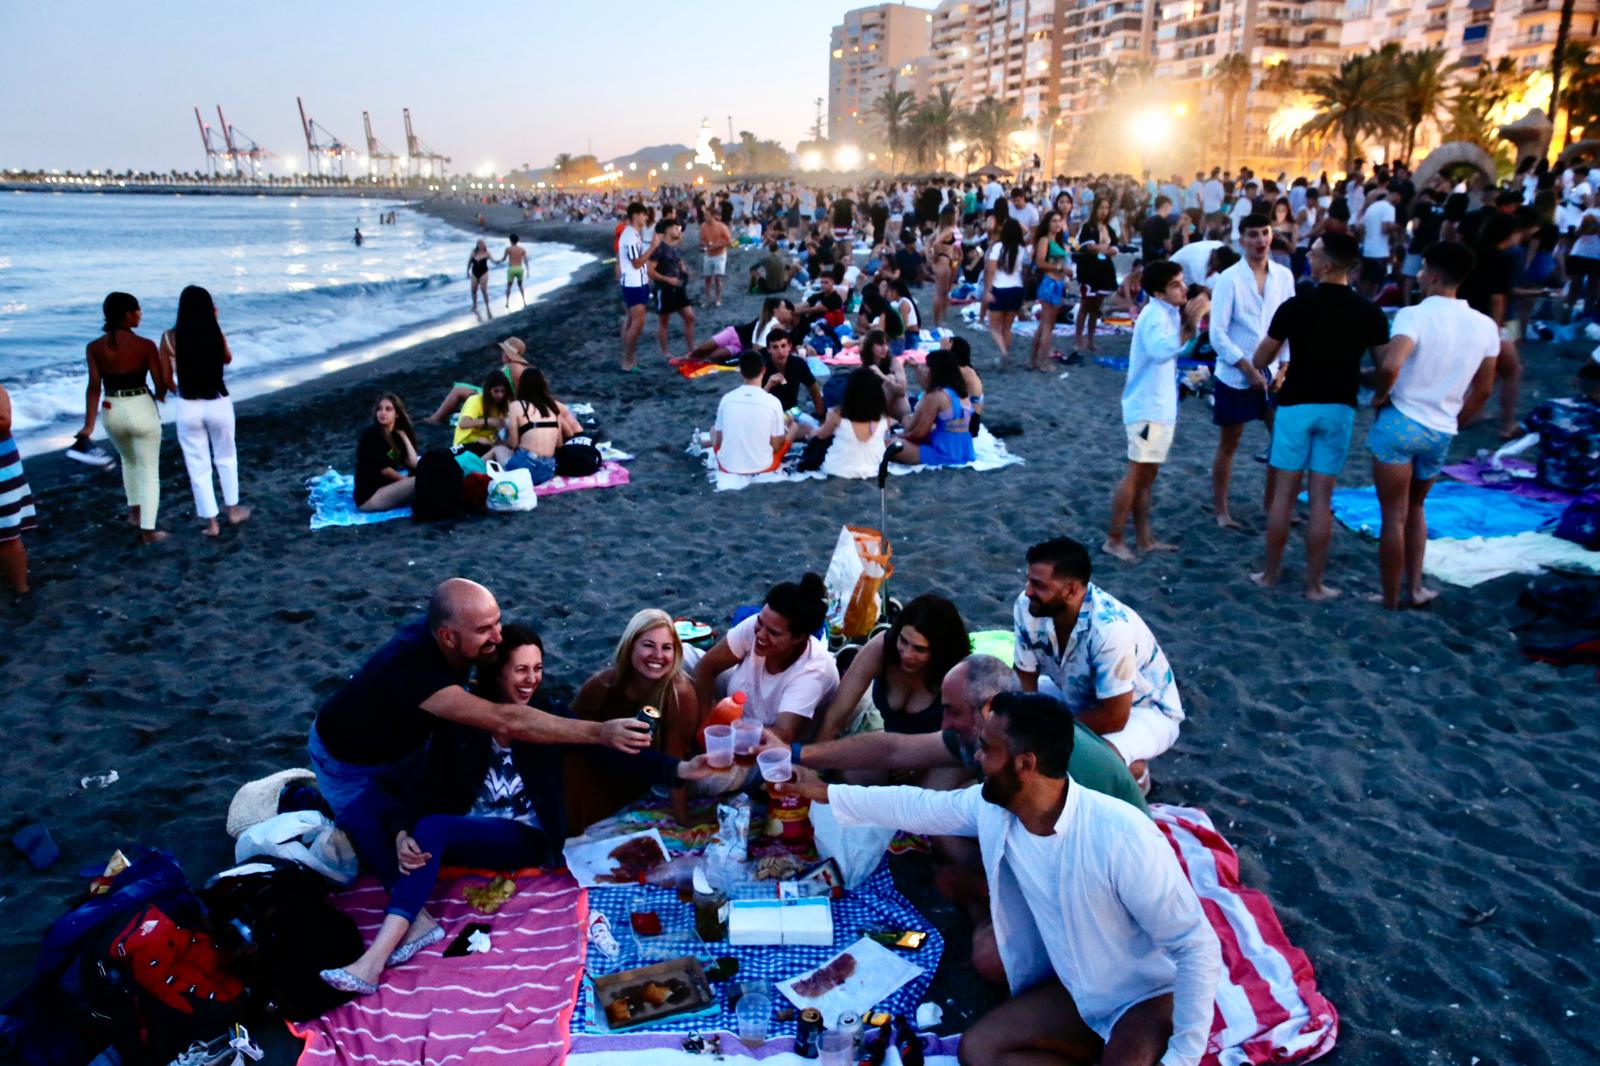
[[1268, 1009], [666, 1049], [512, 1005], [991, 455], [333, 503], [851, 357], [699, 368], [1120, 362], [1456, 511], [1514, 476], [1473, 560], [874, 904]]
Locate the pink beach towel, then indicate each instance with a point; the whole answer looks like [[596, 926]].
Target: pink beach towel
[[513, 1005], [610, 475], [1268, 1009]]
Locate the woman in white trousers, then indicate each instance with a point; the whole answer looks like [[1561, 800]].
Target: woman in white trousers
[[194, 352]]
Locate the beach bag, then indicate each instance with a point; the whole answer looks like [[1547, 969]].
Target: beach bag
[[154, 981], [438, 494], [816, 450], [274, 922], [304, 837], [510, 491], [1580, 523], [471, 462], [856, 573], [578, 457], [475, 493]]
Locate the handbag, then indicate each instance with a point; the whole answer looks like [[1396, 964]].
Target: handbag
[[510, 490], [578, 457]]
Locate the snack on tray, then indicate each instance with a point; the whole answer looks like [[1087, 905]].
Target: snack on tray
[[655, 994], [489, 898], [778, 868], [618, 1011]]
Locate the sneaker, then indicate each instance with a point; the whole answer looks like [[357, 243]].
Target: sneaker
[[87, 453]]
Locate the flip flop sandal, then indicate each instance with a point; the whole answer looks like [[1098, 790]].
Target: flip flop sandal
[[405, 952]]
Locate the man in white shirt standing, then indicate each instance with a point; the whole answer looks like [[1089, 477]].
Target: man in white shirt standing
[[1377, 226], [1243, 301], [1165, 328], [1106, 950], [1024, 212], [992, 194], [750, 436], [1212, 193], [1243, 208], [1437, 373], [633, 258]]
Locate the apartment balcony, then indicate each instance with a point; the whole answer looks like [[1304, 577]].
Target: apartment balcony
[[1534, 7]]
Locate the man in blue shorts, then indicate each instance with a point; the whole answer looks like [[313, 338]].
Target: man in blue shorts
[[633, 257], [1330, 328], [1437, 373]]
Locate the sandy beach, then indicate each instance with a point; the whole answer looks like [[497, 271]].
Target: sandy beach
[[1385, 777]]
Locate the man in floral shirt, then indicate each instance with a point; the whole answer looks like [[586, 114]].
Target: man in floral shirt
[[1108, 669]]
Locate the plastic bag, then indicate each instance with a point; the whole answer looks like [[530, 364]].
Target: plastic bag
[[510, 490], [857, 571], [305, 837], [857, 849]]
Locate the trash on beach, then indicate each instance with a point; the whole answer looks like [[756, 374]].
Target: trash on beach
[[98, 781], [34, 842], [929, 1015]]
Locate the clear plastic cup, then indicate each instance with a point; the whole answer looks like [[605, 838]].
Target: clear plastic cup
[[752, 1015], [776, 764], [719, 746], [746, 739], [836, 1048]]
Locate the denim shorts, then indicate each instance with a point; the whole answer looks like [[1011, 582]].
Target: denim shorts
[[1394, 438], [1052, 290], [1312, 436], [541, 469]]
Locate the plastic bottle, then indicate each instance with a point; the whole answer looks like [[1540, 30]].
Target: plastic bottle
[[727, 711]]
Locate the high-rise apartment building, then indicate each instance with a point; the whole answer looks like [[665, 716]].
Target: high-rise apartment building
[[1470, 32], [1100, 41], [873, 48], [1007, 49]]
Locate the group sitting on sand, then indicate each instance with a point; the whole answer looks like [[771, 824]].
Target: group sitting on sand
[[444, 748]]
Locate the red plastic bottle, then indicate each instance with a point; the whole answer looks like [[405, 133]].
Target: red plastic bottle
[[727, 711]]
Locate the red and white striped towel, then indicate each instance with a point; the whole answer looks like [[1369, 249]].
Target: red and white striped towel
[[1268, 1009], [512, 1005]]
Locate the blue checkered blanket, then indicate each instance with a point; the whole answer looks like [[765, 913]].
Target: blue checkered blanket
[[875, 904]]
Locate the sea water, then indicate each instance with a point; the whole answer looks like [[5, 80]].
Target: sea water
[[295, 295]]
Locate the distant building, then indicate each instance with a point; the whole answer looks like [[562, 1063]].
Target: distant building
[[1471, 32], [873, 48], [1007, 49]]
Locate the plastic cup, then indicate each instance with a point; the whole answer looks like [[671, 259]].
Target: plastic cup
[[836, 1048], [775, 764], [752, 1015], [719, 746], [746, 737]]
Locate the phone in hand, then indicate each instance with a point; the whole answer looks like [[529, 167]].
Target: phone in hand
[[458, 946]]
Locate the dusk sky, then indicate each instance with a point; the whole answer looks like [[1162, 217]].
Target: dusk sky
[[112, 86]]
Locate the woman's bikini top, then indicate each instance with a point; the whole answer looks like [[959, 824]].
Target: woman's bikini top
[[541, 423]]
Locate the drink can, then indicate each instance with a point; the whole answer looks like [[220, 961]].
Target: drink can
[[651, 717], [850, 1022], [808, 1034]]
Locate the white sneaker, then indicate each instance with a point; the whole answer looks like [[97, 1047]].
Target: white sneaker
[[84, 452]]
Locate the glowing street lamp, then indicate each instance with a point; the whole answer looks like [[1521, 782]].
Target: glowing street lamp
[[848, 157]]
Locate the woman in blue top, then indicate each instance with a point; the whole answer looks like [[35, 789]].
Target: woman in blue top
[[940, 433]]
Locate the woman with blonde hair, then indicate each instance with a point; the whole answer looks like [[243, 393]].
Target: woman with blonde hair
[[647, 671]]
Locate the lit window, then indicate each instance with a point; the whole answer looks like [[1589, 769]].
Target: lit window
[[838, 53]]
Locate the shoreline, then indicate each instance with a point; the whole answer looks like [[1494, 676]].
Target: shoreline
[[1382, 777], [103, 186]]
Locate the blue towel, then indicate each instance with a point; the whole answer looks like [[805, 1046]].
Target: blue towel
[[1455, 510], [1120, 362], [333, 502]]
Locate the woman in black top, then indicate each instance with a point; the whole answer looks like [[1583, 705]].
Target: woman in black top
[[193, 352], [1097, 273], [386, 455]]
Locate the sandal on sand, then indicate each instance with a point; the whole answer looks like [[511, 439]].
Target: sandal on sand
[[346, 981], [407, 951]]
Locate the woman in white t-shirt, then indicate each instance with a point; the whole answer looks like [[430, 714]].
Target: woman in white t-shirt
[[776, 659], [857, 428], [1003, 284]]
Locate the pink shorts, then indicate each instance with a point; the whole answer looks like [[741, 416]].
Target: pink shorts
[[729, 339]]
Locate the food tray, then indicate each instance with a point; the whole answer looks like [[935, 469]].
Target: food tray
[[692, 992]]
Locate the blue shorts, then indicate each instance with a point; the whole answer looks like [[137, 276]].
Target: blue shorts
[[1312, 436], [1235, 407], [1005, 300], [1052, 290], [1394, 438], [540, 467], [635, 295]]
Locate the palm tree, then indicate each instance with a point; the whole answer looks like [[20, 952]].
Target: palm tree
[[1475, 98], [988, 125], [1558, 59], [1231, 78], [1360, 99], [563, 167], [893, 110], [1049, 123], [1422, 91], [937, 120]]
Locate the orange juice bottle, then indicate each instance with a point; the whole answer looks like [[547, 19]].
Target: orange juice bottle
[[727, 711]]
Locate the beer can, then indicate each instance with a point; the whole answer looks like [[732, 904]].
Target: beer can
[[651, 717], [850, 1022], [808, 1034]]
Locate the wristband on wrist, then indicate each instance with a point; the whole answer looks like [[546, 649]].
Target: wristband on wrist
[[794, 752]]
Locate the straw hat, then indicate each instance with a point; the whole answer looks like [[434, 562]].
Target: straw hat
[[513, 348], [257, 801]]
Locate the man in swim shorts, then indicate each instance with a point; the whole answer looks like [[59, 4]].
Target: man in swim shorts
[[715, 240], [633, 258], [517, 257], [671, 276]]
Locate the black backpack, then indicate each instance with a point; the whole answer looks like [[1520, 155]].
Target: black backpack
[[439, 482], [275, 922], [578, 457]]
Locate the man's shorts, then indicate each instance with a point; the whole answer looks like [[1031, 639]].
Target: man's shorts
[[1146, 734], [1235, 407], [635, 295], [1374, 271], [1149, 442], [715, 266], [1312, 436], [1394, 438], [1412, 266], [671, 298]]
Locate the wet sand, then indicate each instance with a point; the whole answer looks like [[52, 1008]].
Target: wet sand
[[1384, 777]]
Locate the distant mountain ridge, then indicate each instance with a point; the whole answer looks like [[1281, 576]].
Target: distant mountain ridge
[[653, 156]]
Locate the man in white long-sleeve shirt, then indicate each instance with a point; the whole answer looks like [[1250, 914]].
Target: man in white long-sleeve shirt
[[1106, 950], [1243, 301]]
